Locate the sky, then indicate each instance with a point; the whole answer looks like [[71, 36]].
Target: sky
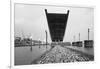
[[30, 20]]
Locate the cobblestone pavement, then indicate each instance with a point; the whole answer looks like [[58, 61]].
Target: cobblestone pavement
[[62, 55]]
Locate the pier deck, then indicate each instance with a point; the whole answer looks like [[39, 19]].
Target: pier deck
[[61, 54]]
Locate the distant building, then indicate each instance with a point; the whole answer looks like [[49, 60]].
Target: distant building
[[17, 41], [88, 43], [61, 43], [74, 44], [66, 43], [79, 43]]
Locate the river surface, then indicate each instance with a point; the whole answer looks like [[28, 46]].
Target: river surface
[[25, 55], [89, 51]]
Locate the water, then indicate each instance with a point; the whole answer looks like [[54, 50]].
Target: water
[[25, 55], [89, 51]]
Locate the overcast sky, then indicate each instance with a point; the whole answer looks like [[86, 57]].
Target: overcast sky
[[31, 20]]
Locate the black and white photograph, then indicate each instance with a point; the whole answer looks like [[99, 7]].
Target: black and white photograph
[[47, 34]]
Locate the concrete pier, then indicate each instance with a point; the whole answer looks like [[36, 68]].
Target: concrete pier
[[61, 54]]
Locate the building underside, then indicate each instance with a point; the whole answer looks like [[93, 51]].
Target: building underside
[[57, 24]]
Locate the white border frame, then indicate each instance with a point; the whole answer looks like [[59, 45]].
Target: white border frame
[[12, 2]]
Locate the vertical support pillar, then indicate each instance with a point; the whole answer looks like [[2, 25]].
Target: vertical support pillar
[[79, 36], [88, 33], [46, 37]]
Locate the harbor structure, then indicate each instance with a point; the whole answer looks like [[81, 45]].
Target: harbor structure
[[57, 24]]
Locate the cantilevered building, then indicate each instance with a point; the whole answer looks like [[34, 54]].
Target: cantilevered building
[[57, 24]]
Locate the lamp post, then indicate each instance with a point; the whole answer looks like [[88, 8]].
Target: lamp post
[[46, 37], [79, 36], [88, 33], [30, 42], [39, 43]]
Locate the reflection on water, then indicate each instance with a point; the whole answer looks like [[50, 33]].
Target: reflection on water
[[25, 55], [89, 51]]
